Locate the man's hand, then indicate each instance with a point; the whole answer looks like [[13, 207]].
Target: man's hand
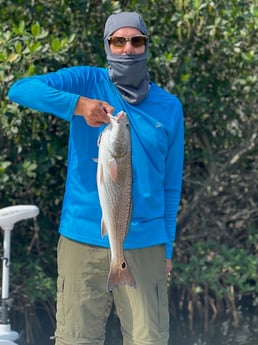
[[168, 268], [95, 112]]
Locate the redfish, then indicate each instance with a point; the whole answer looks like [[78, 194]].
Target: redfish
[[114, 181]]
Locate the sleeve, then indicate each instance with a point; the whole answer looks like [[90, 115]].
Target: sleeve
[[173, 178], [56, 93]]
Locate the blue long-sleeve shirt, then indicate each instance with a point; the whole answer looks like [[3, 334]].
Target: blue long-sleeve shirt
[[157, 134]]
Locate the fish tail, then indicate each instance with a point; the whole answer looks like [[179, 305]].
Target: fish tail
[[120, 276]]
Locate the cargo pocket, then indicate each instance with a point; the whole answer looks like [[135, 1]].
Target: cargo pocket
[[163, 312], [60, 301]]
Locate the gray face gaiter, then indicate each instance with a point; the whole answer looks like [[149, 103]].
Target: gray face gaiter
[[128, 72]]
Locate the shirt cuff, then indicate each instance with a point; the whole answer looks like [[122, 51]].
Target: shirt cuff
[[169, 250]]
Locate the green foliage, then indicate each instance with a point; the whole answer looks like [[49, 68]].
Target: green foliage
[[218, 266], [205, 52], [208, 276], [33, 148]]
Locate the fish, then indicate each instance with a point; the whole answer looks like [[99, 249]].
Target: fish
[[114, 184]]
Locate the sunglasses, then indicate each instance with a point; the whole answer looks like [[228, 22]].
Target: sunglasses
[[120, 41]]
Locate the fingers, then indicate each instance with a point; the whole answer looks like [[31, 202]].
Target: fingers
[[100, 114], [94, 111], [97, 114], [108, 108]]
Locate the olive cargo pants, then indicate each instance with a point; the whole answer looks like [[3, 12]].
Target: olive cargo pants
[[83, 303]]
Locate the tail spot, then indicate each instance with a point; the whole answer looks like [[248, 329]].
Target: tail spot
[[123, 266]]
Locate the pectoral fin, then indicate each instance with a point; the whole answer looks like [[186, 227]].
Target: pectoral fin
[[113, 170], [103, 228]]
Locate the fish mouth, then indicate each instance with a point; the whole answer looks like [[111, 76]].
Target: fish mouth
[[117, 118]]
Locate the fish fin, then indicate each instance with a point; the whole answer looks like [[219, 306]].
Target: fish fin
[[103, 228], [112, 165], [99, 139], [120, 275]]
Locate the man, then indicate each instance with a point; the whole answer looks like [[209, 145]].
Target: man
[[85, 96]]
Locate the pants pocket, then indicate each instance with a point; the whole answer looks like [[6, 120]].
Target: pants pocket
[[60, 315], [163, 311]]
